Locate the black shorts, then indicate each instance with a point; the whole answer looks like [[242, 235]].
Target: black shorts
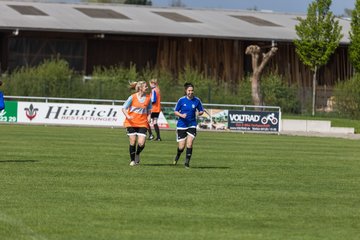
[[182, 134], [139, 131], [155, 115]]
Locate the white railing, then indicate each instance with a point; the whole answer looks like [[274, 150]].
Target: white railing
[[114, 102]]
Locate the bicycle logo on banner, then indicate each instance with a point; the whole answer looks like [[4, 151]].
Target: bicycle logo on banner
[[270, 117]]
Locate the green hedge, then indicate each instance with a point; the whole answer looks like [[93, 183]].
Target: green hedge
[[51, 78], [347, 97], [54, 78], [276, 93]]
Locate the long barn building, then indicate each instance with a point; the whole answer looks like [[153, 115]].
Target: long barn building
[[211, 40]]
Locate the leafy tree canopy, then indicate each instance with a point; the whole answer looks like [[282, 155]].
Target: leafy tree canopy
[[177, 3], [319, 34], [135, 2], [138, 2], [354, 48], [104, 1]]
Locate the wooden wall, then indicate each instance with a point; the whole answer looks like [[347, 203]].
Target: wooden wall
[[110, 52], [289, 65], [223, 59], [226, 60]]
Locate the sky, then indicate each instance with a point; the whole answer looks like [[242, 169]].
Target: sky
[[291, 6]]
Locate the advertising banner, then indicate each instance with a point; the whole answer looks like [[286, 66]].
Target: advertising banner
[[168, 113], [9, 114], [65, 113], [74, 114], [214, 119], [253, 121], [162, 122]]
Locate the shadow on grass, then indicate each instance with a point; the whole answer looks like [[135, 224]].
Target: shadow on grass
[[210, 167], [156, 164], [180, 165], [18, 161]]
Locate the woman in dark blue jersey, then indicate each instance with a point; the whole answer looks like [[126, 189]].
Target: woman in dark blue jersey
[[185, 109], [2, 100]]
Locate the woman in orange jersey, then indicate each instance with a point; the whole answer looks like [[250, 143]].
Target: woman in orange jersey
[[137, 109], [156, 108]]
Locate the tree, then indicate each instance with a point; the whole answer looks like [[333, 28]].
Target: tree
[[348, 12], [319, 35], [104, 1], [177, 3], [354, 48], [255, 52], [254, 8], [135, 2], [138, 2]]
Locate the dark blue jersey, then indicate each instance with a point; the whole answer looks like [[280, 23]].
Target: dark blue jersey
[[189, 107], [153, 96]]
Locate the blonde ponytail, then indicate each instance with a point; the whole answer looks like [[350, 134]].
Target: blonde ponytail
[[154, 81], [136, 85]]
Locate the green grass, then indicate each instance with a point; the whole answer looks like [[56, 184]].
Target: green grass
[[75, 183]]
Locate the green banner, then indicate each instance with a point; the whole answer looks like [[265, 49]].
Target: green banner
[[9, 114]]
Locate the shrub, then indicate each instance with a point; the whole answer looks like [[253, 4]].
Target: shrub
[[111, 83], [54, 78], [244, 91], [51, 78], [276, 93], [201, 83], [212, 91], [347, 97], [170, 89]]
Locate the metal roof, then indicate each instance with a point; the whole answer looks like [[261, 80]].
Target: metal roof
[[146, 20]]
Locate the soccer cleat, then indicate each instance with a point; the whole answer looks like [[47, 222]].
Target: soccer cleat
[[175, 160], [137, 159], [187, 163], [132, 163], [158, 139], [151, 137]]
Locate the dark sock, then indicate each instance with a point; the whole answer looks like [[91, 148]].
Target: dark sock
[[157, 130], [132, 152], [179, 151], [139, 149], [188, 154], [149, 130]]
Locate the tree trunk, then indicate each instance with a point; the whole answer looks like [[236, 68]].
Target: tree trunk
[[314, 92], [257, 67], [255, 89]]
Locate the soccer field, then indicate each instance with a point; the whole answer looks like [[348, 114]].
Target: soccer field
[[76, 183]]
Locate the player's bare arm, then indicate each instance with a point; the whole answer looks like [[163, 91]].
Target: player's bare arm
[[181, 115]]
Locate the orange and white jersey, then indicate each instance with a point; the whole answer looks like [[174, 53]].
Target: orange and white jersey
[[138, 109], [156, 99]]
